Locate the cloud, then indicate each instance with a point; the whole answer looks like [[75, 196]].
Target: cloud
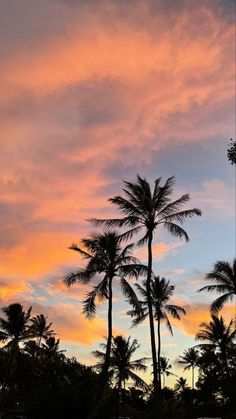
[[197, 313], [160, 251], [91, 93]]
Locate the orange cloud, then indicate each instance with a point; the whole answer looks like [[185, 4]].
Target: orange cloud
[[160, 251], [11, 289], [198, 313]]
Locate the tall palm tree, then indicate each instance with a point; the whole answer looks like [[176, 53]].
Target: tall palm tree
[[165, 368], [146, 209], [161, 292], [218, 337], [190, 359], [122, 367], [40, 328], [224, 276], [105, 255]]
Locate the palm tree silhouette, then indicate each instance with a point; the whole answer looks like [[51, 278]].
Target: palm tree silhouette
[[40, 328], [190, 359], [181, 384], [105, 255], [122, 367], [51, 348], [147, 209], [219, 337], [224, 276], [15, 326], [161, 292], [14, 329], [165, 367]]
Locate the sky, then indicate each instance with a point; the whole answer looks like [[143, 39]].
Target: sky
[[91, 94]]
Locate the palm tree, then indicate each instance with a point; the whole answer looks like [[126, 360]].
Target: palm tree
[[218, 337], [161, 292], [14, 329], [224, 276], [104, 255], [40, 328], [122, 368], [165, 367], [148, 210], [51, 348], [190, 359], [181, 384], [15, 326]]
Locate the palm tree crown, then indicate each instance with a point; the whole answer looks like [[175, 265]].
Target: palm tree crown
[[147, 209], [122, 367], [161, 292], [218, 337], [224, 276], [104, 254], [15, 326], [190, 360], [40, 328]]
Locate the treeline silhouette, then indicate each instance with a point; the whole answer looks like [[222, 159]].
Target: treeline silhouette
[[38, 379]]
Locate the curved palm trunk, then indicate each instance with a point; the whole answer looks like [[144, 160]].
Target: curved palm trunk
[[151, 320], [159, 353], [102, 380]]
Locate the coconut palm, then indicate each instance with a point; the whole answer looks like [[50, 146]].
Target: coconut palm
[[190, 360], [161, 292], [15, 326], [181, 384], [105, 255], [165, 368], [14, 330], [146, 209], [224, 276], [51, 348], [40, 328], [122, 367], [218, 337]]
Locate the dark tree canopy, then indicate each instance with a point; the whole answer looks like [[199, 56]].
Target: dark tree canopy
[[231, 152]]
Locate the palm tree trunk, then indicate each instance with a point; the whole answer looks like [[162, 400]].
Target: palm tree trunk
[[118, 397], [159, 353], [102, 380], [151, 320], [193, 377]]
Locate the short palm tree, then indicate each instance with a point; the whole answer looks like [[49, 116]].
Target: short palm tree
[[161, 292], [165, 368], [146, 209], [181, 384], [40, 328], [14, 329], [218, 337], [15, 326], [122, 367], [224, 276], [51, 348], [190, 360], [105, 255]]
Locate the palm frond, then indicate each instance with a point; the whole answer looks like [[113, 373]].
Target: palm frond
[[175, 230], [130, 294]]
